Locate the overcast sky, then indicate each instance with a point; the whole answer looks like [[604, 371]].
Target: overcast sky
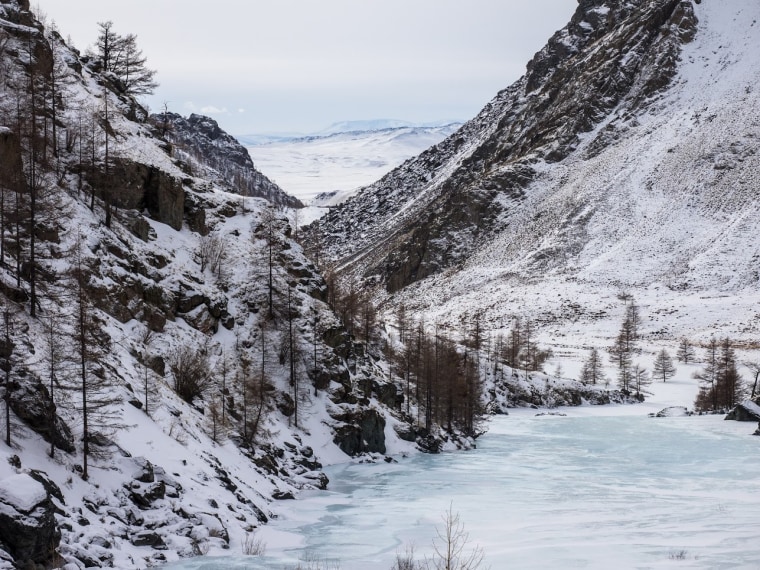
[[300, 65]]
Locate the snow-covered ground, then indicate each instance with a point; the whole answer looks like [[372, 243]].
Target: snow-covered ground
[[341, 162]]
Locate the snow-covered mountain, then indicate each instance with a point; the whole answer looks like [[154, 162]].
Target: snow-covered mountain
[[624, 160], [325, 168], [170, 366], [378, 125]]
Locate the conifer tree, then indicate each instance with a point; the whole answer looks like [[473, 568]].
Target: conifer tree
[[593, 370], [120, 55], [663, 366], [685, 351]]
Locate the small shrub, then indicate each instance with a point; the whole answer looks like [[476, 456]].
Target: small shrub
[[253, 546]]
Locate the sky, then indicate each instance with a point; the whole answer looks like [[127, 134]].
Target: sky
[[279, 66]]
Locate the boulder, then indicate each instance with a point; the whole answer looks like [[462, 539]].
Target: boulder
[[405, 432], [32, 404], [202, 320], [387, 394], [148, 538], [363, 432], [28, 528], [747, 411], [145, 494], [191, 300], [673, 412], [143, 471]]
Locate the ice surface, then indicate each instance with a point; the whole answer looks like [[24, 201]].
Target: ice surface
[[545, 492]]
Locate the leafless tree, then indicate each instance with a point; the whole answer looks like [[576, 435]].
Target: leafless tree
[[268, 228], [8, 362], [406, 560], [97, 399], [755, 368], [211, 252], [57, 359], [451, 546]]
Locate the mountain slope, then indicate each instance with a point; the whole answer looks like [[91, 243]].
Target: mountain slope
[[170, 366], [624, 159], [429, 214]]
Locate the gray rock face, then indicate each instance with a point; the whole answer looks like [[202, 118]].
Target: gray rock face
[[32, 404], [28, 529], [11, 168], [433, 211], [363, 432], [136, 186], [228, 162]]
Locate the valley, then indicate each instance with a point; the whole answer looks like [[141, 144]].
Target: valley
[[298, 351]]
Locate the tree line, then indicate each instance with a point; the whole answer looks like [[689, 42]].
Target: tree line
[[721, 386]]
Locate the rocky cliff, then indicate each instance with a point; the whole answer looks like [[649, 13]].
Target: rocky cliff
[[623, 161], [220, 156]]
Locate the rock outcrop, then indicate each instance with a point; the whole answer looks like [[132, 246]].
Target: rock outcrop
[[361, 432], [28, 528], [747, 411], [221, 157]]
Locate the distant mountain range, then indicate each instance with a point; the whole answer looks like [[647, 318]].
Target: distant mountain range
[[342, 127]]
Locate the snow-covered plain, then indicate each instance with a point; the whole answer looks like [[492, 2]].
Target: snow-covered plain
[[598, 487], [342, 162]]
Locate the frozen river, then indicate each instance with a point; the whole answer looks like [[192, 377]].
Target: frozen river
[[544, 492]]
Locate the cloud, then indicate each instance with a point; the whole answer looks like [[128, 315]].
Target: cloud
[[241, 110], [213, 110]]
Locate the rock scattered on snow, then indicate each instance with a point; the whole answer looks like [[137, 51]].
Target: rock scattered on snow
[[672, 412], [747, 411]]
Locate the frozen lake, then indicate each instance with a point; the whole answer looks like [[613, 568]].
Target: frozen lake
[[544, 492]]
